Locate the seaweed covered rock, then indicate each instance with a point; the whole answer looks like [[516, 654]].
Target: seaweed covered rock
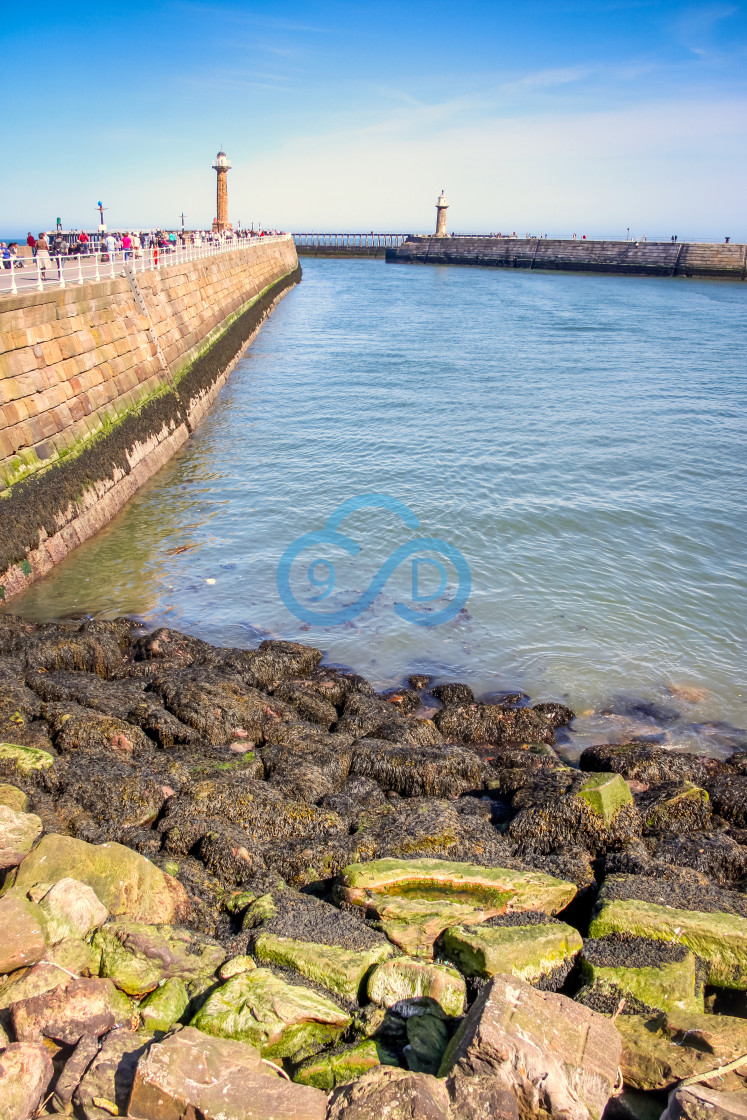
[[442, 771], [282, 1020], [649, 976], [453, 694], [406, 979], [674, 807], [123, 881], [660, 910], [304, 762], [552, 1054], [493, 723], [191, 1074], [650, 764], [320, 942], [729, 795], [542, 953], [595, 811], [714, 854]]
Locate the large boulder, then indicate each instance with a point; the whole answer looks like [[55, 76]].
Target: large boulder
[[123, 881], [416, 900], [192, 1074], [25, 1073], [22, 933], [552, 1054], [107, 1082], [660, 1051], [541, 953], [138, 957], [72, 910], [649, 975], [340, 970], [71, 1010], [694, 1102], [392, 1093], [19, 832], [404, 979], [282, 1020], [326, 1071], [440, 771]]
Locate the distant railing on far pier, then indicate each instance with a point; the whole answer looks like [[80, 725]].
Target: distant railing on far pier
[[350, 240]]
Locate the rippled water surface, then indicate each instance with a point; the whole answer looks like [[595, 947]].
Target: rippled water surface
[[580, 439]]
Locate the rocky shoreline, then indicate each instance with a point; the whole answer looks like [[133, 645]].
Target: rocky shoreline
[[241, 884]]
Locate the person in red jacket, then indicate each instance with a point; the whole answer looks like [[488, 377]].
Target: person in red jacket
[[31, 242]]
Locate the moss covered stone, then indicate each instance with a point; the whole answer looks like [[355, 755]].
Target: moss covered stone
[[13, 797], [664, 986], [411, 979], [165, 1005], [330, 1070], [282, 1020], [530, 952], [25, 759], [340, 970], [137, 957], [606, 794], [719, 939], [659, 1052]]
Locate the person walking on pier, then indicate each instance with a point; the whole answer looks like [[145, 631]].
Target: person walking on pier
[[31, 242], [42, 255]]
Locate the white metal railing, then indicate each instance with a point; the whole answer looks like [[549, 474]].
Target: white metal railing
[[45, 271]]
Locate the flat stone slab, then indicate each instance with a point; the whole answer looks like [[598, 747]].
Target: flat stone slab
[[719, 939], [528, 952], [192, 1074], [671, 985], [411, 979], [549, 1052], [282, 1020], [340, 970], [123, 880]]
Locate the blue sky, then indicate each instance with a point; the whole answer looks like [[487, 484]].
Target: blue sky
[[556, 117]]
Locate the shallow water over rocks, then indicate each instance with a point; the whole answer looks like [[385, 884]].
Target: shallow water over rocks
[[577, 438]]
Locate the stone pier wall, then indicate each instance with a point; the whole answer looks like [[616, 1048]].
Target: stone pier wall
[[642, 258], [101, 383]]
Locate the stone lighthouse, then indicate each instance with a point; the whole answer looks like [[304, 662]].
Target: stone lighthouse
[[222, 166], [441, 207]]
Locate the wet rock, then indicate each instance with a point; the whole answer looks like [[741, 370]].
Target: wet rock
[[13, 798], [217, 705], [453, 693], [404, 979], [550, 1052], [282, 1020], [659, 1052], [25, 1073], [729, 795], [305, 762], [71, 1010], [697, 1103], [190, 1074], [406, 700], [326, 1071], [394, 1093], [540, 954], [137, 957], [19, 832], [493, 723], [559, 715], [164, 644], [674, 807], [122, 880], [370, 717], [416, 900], [418, 681], [596, 812], [305, 698], [647, 763], [165, 1005], [443, 771], [91, 731], [107, 1083], [718, 938], [57, 647], [649, 976], [276, 661], [75, 1067], [71, 909], [22, 933]]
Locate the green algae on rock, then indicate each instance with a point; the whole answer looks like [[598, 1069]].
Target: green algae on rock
[[340, 970], [403, 978], [165, 1005], [24, 759], [658, 1052], [123, 880], [531, 952], [719, 939], [137, 957], [614, 970], [605, 794], [282, 1020], [327, 1071]]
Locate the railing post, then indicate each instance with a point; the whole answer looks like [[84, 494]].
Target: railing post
[[60, 272], [39, 283], [111, 262], [80, 268], [13, 285], [96, 259]]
